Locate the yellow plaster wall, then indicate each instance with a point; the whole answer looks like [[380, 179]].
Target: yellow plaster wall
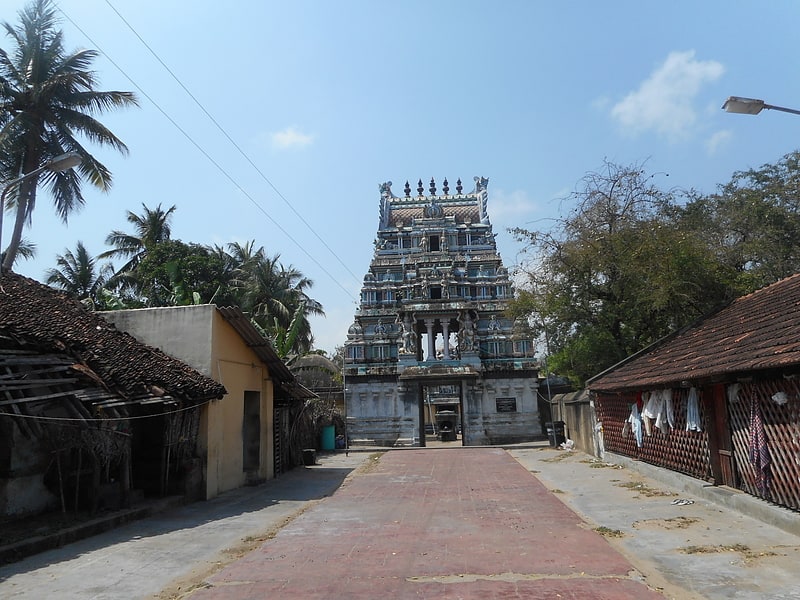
[[238, 368], [200, 336]]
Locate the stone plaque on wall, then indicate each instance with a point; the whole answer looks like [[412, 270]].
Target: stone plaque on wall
[[506, 404]]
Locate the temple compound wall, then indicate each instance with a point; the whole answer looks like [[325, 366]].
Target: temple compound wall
[[432, 354]]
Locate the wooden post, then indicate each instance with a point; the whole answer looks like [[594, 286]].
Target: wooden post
[[78, 478]]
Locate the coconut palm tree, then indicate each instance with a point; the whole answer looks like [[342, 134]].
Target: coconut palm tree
[[239, 260], [246, 255], [80, 275], [274, 295], [47, 97], [151, 227], [26, 250]]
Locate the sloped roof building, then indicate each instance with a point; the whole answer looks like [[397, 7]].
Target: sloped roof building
[[718, 400], [75, 391], [431, 348]]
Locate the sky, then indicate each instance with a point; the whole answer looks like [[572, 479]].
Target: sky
[[277, 121]]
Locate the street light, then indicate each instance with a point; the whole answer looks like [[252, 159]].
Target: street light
[[63, 162], [752, 106]]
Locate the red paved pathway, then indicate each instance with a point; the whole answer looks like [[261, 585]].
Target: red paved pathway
[[445, 524]]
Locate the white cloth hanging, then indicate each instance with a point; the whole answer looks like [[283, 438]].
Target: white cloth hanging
[[635, 422], [665, 419], [733, 392], [650, 409], [693, 412]]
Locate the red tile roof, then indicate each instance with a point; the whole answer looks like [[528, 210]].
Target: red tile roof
[[461, 212], [36, 317], [755, 332]]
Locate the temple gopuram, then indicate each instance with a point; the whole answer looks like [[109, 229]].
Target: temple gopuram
[[431, 354]]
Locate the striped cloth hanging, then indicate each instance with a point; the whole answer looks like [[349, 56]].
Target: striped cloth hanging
[[759, 450]]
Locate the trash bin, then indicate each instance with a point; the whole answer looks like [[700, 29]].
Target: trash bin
[[309, 457], [328, 438], [556, 433]]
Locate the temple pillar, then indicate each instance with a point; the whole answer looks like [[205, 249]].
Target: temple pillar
[[446, 334], [429, 327]]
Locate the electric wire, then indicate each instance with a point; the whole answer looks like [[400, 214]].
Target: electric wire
[[103, 419], [219, 167], [230, 139]]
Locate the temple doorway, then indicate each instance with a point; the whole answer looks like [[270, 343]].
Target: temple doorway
[[442, 413]]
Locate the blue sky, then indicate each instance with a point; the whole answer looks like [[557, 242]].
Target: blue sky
[[325, 100]]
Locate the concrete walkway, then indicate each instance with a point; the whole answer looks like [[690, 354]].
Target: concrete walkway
[[163, 552], [688, 538], [435, 523], [443, 523]]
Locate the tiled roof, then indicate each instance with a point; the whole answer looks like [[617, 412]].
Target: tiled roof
[[40, 318], [755, 332], [287, 385], [461, 212]]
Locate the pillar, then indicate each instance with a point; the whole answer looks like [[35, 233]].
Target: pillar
[[429, 324]]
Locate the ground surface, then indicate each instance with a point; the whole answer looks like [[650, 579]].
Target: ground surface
[[532, 522]]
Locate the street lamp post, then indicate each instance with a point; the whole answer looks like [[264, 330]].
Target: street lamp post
[[752, 106], [63, 162]]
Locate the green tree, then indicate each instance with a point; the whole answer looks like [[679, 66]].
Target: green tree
[[26, 249], [174, 273], [240, 260], [752, 223], [616, 275], [80, 275], [151, 227], [47, 97], [273, 295]]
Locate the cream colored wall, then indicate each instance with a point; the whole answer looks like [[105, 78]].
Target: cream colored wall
[[202, 338], [238, 368], [181, 331]]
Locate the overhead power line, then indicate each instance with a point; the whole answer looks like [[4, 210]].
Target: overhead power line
[[206, 154]]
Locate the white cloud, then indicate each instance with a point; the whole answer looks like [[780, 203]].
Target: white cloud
[[664, 101], [718, 139], [291, 138]]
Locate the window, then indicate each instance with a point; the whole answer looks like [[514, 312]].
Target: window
[[522, 347], [380, 352], [434, 243]]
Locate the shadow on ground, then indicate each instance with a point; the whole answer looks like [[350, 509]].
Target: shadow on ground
[[36, 535]]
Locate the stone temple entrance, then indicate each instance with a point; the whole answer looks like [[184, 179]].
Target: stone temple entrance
[[442, 413], [432, 350]]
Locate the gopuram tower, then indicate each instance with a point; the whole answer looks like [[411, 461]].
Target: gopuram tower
[[431, 354]]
